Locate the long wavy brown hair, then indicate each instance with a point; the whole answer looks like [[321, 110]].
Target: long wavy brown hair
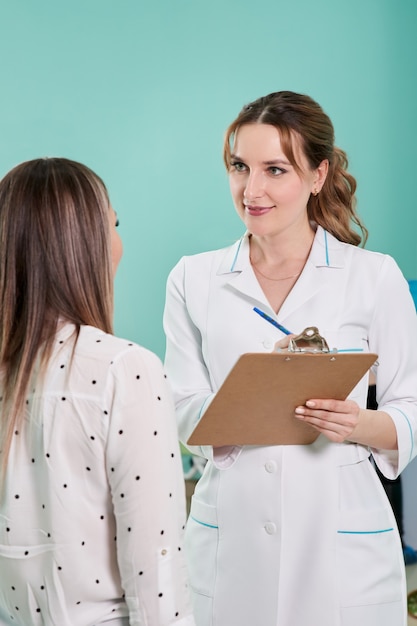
[[55, 265], [298, 115]]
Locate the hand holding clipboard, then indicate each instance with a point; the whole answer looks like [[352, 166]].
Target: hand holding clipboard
[[255, 404]]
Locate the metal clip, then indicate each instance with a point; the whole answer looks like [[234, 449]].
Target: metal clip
[[309, 340]]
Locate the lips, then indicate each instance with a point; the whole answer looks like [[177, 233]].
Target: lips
[[257, 211]]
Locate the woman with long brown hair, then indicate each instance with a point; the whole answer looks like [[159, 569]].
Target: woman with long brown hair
[[295, 534], [92, 499]]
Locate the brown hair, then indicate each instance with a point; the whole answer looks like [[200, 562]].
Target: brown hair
[[55, 264], [293, 114]]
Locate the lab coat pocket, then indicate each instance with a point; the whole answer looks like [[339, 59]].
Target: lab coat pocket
[[369, 557], [201, 541]]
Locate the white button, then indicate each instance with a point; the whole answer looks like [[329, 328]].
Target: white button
[[270, 467], [268, 344], [270, 528]]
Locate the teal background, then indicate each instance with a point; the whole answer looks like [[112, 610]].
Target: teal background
[[142, 91]]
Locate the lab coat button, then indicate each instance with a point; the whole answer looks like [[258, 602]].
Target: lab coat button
[[267, 344], [270, 528], [270, 467]]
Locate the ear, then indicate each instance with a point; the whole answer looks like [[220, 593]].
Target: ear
[[320, 176]]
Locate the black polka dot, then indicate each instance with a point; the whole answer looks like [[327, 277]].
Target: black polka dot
[[137, 477], [65, 485], [155, 432], [63, 398], [62, 366], [26, 552], [105, 412], [16, 432], [129, 529], [92, 437], [42, 587], [162, 532], [159, 397], [160, 595], [120, 432], [88, 469], [140, 574], [97, 581], [17, 496], [137, 376], [93, 382], [122, 495], [101, 516]]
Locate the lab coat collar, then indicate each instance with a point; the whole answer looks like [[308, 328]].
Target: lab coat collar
[[326, 251]]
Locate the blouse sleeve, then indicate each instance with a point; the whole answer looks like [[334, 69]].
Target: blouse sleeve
[[145, 475]]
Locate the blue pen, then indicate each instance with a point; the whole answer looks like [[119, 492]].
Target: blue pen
[[272, 321]]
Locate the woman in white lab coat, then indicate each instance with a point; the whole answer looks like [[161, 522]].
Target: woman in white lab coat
[[295, 535]]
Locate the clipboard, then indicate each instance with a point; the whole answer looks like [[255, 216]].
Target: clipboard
[[256, 402]]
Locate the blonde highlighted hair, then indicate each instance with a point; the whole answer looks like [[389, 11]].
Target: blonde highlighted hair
[[55, 264], [299, 116]]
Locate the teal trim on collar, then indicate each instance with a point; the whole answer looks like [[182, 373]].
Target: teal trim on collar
[[327, 248], [232, 267]]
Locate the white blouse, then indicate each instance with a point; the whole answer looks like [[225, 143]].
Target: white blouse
[[92, 511]]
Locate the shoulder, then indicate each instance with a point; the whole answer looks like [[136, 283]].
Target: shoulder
[[204, 262], [340, 252], [95, 344]]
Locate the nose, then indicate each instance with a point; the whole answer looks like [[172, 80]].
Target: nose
[[254, 186]]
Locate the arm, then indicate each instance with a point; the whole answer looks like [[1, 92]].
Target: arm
[[186, 366], [145, 476], [391, 430]]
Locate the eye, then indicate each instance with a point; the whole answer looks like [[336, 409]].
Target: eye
[[238, 166], [117, 223], [275, 171]]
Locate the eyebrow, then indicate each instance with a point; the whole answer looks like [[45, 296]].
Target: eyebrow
[[271, 162]]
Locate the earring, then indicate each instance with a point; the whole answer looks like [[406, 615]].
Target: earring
[[315, 192]]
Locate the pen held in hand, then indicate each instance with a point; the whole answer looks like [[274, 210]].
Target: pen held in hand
[[272, 321]]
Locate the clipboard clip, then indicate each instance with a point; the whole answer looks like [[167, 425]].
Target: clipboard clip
[[309, 340]]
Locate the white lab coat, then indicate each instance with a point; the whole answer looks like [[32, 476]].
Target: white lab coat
[[294, 535]]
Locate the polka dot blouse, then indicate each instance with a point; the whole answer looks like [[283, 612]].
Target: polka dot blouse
[[93, 507]]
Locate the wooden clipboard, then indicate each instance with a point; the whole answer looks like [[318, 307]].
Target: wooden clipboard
[[255, 405]]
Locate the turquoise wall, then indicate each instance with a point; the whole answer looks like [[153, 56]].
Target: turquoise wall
[[142, 91]]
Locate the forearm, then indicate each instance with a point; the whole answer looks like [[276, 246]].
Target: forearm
[[375, 429]]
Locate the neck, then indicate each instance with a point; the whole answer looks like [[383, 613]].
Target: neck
[[281, 250]]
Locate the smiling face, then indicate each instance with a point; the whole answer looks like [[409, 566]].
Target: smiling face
[[269, 194]]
